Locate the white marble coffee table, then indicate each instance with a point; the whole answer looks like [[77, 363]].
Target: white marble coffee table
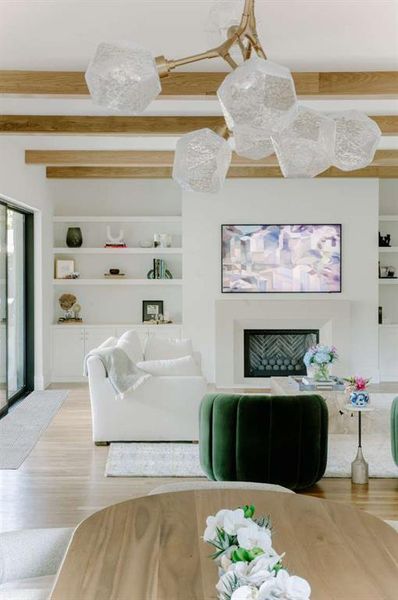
[[339, 420]]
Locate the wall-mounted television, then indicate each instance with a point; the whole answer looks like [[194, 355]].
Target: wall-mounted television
[[281, 258]]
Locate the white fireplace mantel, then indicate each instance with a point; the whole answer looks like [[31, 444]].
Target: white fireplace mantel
[[331, 317]]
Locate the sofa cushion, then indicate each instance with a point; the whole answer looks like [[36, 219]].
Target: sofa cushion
[[161, 348], [131, 344], [173, 366], [32, 588]]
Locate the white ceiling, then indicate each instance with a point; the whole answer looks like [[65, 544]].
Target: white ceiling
[[303, 34]]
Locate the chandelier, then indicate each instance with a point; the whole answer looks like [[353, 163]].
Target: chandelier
[[259, 104]]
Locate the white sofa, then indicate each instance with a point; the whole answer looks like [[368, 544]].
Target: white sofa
[[162, 408]]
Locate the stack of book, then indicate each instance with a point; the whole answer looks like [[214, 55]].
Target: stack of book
[[159, 268], [334, 383]]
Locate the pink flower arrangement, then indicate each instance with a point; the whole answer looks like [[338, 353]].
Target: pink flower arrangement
[[356, 383]]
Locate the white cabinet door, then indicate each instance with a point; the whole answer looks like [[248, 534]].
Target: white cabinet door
[[68, 353], [96, 336], [388, 353]]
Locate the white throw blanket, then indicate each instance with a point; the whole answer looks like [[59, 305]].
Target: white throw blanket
[[122, 373]]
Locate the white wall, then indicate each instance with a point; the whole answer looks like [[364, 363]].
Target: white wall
[[27, 187], [115, 196], [353, 203]]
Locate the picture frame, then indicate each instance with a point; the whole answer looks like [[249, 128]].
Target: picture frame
[[151, 309], [64, 268]]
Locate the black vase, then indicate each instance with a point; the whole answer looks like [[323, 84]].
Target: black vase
[[74, 238]]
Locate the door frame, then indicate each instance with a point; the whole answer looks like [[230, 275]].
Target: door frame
[[29, 301]]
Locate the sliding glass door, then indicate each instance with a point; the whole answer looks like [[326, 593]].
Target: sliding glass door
[[16, 305], [3, 309], [16, 292]]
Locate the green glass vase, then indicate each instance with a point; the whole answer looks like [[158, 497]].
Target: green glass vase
[[321, 372], [74, 238]]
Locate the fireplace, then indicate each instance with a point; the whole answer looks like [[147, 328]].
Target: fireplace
[[276, 352]]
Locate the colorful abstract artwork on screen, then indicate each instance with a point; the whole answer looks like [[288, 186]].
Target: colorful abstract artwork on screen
[[281, 258]]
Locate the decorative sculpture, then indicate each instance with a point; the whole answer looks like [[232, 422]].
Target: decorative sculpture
[[68, 303], [114, 241]]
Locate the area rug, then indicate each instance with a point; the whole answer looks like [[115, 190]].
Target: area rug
[[141, 459], [21, 428], [157, 459]]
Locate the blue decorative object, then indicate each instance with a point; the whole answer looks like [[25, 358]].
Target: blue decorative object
[[359, 398]]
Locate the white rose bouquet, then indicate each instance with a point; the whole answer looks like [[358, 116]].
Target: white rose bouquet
[[250, 569]]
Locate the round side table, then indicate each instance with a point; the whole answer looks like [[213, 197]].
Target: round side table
[[359, 466]]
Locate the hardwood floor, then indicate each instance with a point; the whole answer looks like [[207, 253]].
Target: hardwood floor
[[62, 481]]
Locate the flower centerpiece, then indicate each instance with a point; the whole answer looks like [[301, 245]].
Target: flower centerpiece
[[249, 567], [319, 358], [356, 387]]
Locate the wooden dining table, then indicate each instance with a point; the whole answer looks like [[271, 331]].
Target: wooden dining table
[[151, 548]]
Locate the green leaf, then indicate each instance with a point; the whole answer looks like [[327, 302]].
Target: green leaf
[[263, 522], [256, 552], [278, 567], [249, 510], [241, 555]]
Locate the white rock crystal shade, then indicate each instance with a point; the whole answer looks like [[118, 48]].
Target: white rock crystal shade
[[201, 161], [305, 148], [357, 138], [259, 94], [123, 77], [252, 143]]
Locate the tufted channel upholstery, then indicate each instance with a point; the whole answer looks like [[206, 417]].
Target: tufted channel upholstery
[[269, 439]]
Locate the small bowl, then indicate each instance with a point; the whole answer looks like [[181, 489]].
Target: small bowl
[[146, 244], [114, 271]]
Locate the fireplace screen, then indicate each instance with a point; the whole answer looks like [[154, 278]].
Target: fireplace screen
[[277, 352]]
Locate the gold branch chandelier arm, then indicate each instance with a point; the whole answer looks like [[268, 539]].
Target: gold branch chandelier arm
[[246, 30], [259, 104]]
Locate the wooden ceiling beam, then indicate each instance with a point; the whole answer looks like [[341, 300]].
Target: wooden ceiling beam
[[141, 126], [104, 125], [234, 172], [199, 84], [155, 158]]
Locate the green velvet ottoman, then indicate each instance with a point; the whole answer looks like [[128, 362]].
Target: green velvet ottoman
[[394, 430], [268, 439]]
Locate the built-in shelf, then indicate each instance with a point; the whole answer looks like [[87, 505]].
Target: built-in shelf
[[388, 249], [389, 325], [121, 219], [385, 218], [117, 251], [388, 281], [116, 281]]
